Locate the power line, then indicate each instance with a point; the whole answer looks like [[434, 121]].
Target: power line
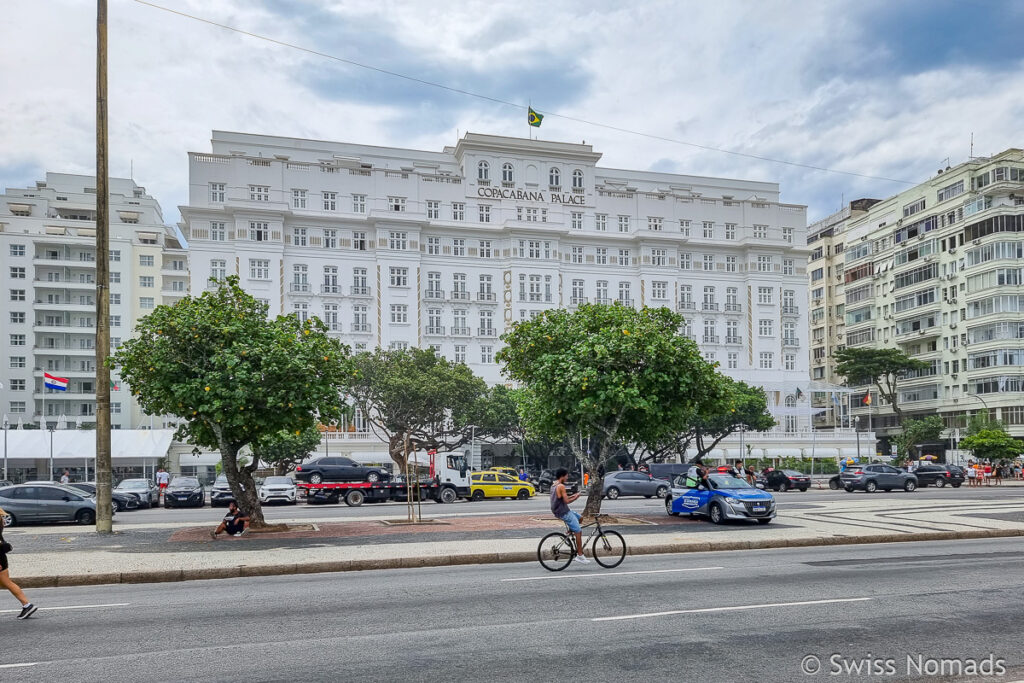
[[496, 100]]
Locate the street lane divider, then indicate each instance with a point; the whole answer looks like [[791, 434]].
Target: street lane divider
[[598, 575], [738, 608], [67, 607]]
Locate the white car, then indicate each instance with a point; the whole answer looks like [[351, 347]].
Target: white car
[[278, 488]]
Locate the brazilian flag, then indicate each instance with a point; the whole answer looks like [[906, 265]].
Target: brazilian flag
[[533, 118]]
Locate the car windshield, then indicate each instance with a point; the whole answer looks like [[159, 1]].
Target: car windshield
[[185, 482], [721, 481], [278, 481], [793, 473], [133, 484], [222, 479]]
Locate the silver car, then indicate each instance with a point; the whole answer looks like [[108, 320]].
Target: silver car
[[634, 484], [46, 503], [145, 490], [876, 476], [278, 488]]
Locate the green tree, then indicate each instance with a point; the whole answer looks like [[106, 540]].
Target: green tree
[[232, 376], [745, 406], [287, 448], [915, 431], [994, 445], [883, 368], [610, 372], [415, 395], [495, 416]]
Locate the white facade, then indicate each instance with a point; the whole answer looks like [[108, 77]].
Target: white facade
[[48, 270], [399, 247]]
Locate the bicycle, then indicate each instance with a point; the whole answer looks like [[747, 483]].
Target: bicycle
[[557, 549]]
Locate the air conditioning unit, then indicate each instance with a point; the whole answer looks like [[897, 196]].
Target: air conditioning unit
[[952, 250], [952, 326], [888, 317], [920, 332], [977, 241], [920, 237], [955, 375]]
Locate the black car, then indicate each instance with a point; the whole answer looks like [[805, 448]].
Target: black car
[[220, 492], [547, 479], [939, 475], [339, 469], [120, 501], [783, 480], [184, 492]]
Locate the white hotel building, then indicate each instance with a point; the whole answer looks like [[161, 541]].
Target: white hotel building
[[399, 247]]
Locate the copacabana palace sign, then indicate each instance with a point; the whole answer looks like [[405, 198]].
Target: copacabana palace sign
[[529, 195]]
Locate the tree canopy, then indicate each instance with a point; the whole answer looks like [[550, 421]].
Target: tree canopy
[[993, 445], [745, 406], [918, 430], [883, 368], [611, 372], [417, 395], [231, 376]]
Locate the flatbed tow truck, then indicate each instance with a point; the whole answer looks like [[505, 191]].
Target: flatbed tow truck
[[447, 481]]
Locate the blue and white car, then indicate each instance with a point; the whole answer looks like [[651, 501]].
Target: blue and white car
[[729, 498]]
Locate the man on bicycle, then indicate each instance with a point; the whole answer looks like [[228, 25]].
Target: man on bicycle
[[560, 499]]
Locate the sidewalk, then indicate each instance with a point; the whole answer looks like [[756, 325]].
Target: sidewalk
[[181, 554]]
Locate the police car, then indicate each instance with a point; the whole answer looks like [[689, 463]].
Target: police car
[[728, 498]]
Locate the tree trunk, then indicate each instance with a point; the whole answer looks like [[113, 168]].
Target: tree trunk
[[396, 449], [243, 488]]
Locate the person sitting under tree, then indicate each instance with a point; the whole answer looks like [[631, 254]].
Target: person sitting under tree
[[235, 522]]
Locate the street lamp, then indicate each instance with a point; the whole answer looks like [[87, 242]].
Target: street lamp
[[51, 428], [982, 401], [5, 447], [856, 430]]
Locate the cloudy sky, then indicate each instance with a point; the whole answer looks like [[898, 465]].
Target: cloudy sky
[[879, 88]]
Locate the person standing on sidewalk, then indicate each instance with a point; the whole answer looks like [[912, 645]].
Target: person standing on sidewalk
[[65, 478], [560, 499], [162, 479], [27, 608]]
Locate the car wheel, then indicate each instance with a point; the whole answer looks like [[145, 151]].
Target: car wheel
[[871, 487], [802, 489], [783, 487], [662, 492], [447, 495], [114, 504], [909, 485], [940, 482], [764, 521], [8, 519], [668, 507], [478, 495], [316, 478], [373, 477], [849, 489], [833, 484], [85, 517], [355, 498], [612, 493], [716, 514], [523, 494]]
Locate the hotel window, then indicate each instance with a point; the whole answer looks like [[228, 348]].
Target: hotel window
[[331, 317], [554, 178], [458, 247], [485, 249], [330, 238], [359, 281], [259, 269], [301, 312], [399, 277], [623, 223], [330, 201], [259, 193], [217, 192], [659, 257], [766, 327], [146, 302], [300, 276], [17, 385], [145, 260], [146, 281], [19, 250], [459, 283], [730, 231], [659, 290], [17, 295], [115, 277], [733, 361], [399, 313], [217, 232], [458, 211], [17, 340], [483, 171], [760, 232], [507, 173], [298, 199], [258, 231], [396, 204], [577, 255], [300, 237], [486, 354], [460, 353], [789, 361], [398, 241], [486, 284], [685, 261], [359, 203], [730, 264], [17, 362], [654, 223], [787, 266], [18, 317], [765, 296], [17, 273], [709, 230], [577, 220], [624, 293], [767, 360], [485, 213], [359, 241], [601, 222], [709, 261], [433, 246], [764, 264], [433, 208], [486, 322], [624, 258], [602, 292], [684, 227], [787, 235], [601, 256], [331, 280]]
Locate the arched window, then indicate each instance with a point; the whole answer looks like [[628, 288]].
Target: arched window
[[577, 179], [791, 422], [483, 171], [507, 174], [554, 177], [791, 401]]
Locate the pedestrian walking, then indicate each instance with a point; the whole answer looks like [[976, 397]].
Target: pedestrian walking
[[162, 479], [972, 474], [65, 478], [27, 608]]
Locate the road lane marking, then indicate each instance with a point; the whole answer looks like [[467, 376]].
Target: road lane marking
[[593, 576], [729, 609], [18, 666], [66, 607]]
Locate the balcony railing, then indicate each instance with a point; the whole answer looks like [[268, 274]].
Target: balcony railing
[[299, 288], [733, 340], [460, 331], [710, 338], [709, 306], [360, 327], [486, 332], [485, 296], [602, 300], [790, 309], [625, 302], [577, 300], [360, 291], [330, 289], [686, 306], [433, 295], [460, 295], [790, 341], [733, 308], [435, 331]]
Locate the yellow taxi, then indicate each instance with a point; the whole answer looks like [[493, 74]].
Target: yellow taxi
[[492, 484], [510, 471]]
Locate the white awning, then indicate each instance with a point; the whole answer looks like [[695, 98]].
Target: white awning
[[33, 444], [820, 452], [782, 453]]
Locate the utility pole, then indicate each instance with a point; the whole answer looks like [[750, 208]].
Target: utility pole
[[104, 511]]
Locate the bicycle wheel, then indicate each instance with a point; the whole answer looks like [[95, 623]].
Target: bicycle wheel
[[609, 549], [555, 552]]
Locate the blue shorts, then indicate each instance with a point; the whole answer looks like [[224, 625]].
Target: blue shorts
[[572, 520]]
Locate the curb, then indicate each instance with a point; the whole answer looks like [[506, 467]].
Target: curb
[[247, 571]]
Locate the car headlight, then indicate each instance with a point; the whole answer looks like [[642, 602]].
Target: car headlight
[[734, 501]]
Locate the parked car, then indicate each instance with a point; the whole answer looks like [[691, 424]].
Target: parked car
[[783, 480], [870, 478], [5, 483], [46, 503], [184, 492], [618, 484], [145, 490], [547, 478], [279, 488], [497, 485], [339, 469], [939, 475], [220, 492], [120, 501], [728, 498]]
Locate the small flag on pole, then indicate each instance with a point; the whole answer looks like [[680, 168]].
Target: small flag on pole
[[533, 118], [54, 382], [867, 399], [799, 394]]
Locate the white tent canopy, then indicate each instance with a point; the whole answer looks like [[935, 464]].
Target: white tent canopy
[[32, 444]]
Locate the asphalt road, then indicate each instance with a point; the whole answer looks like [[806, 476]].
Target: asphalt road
[[728, 616]]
